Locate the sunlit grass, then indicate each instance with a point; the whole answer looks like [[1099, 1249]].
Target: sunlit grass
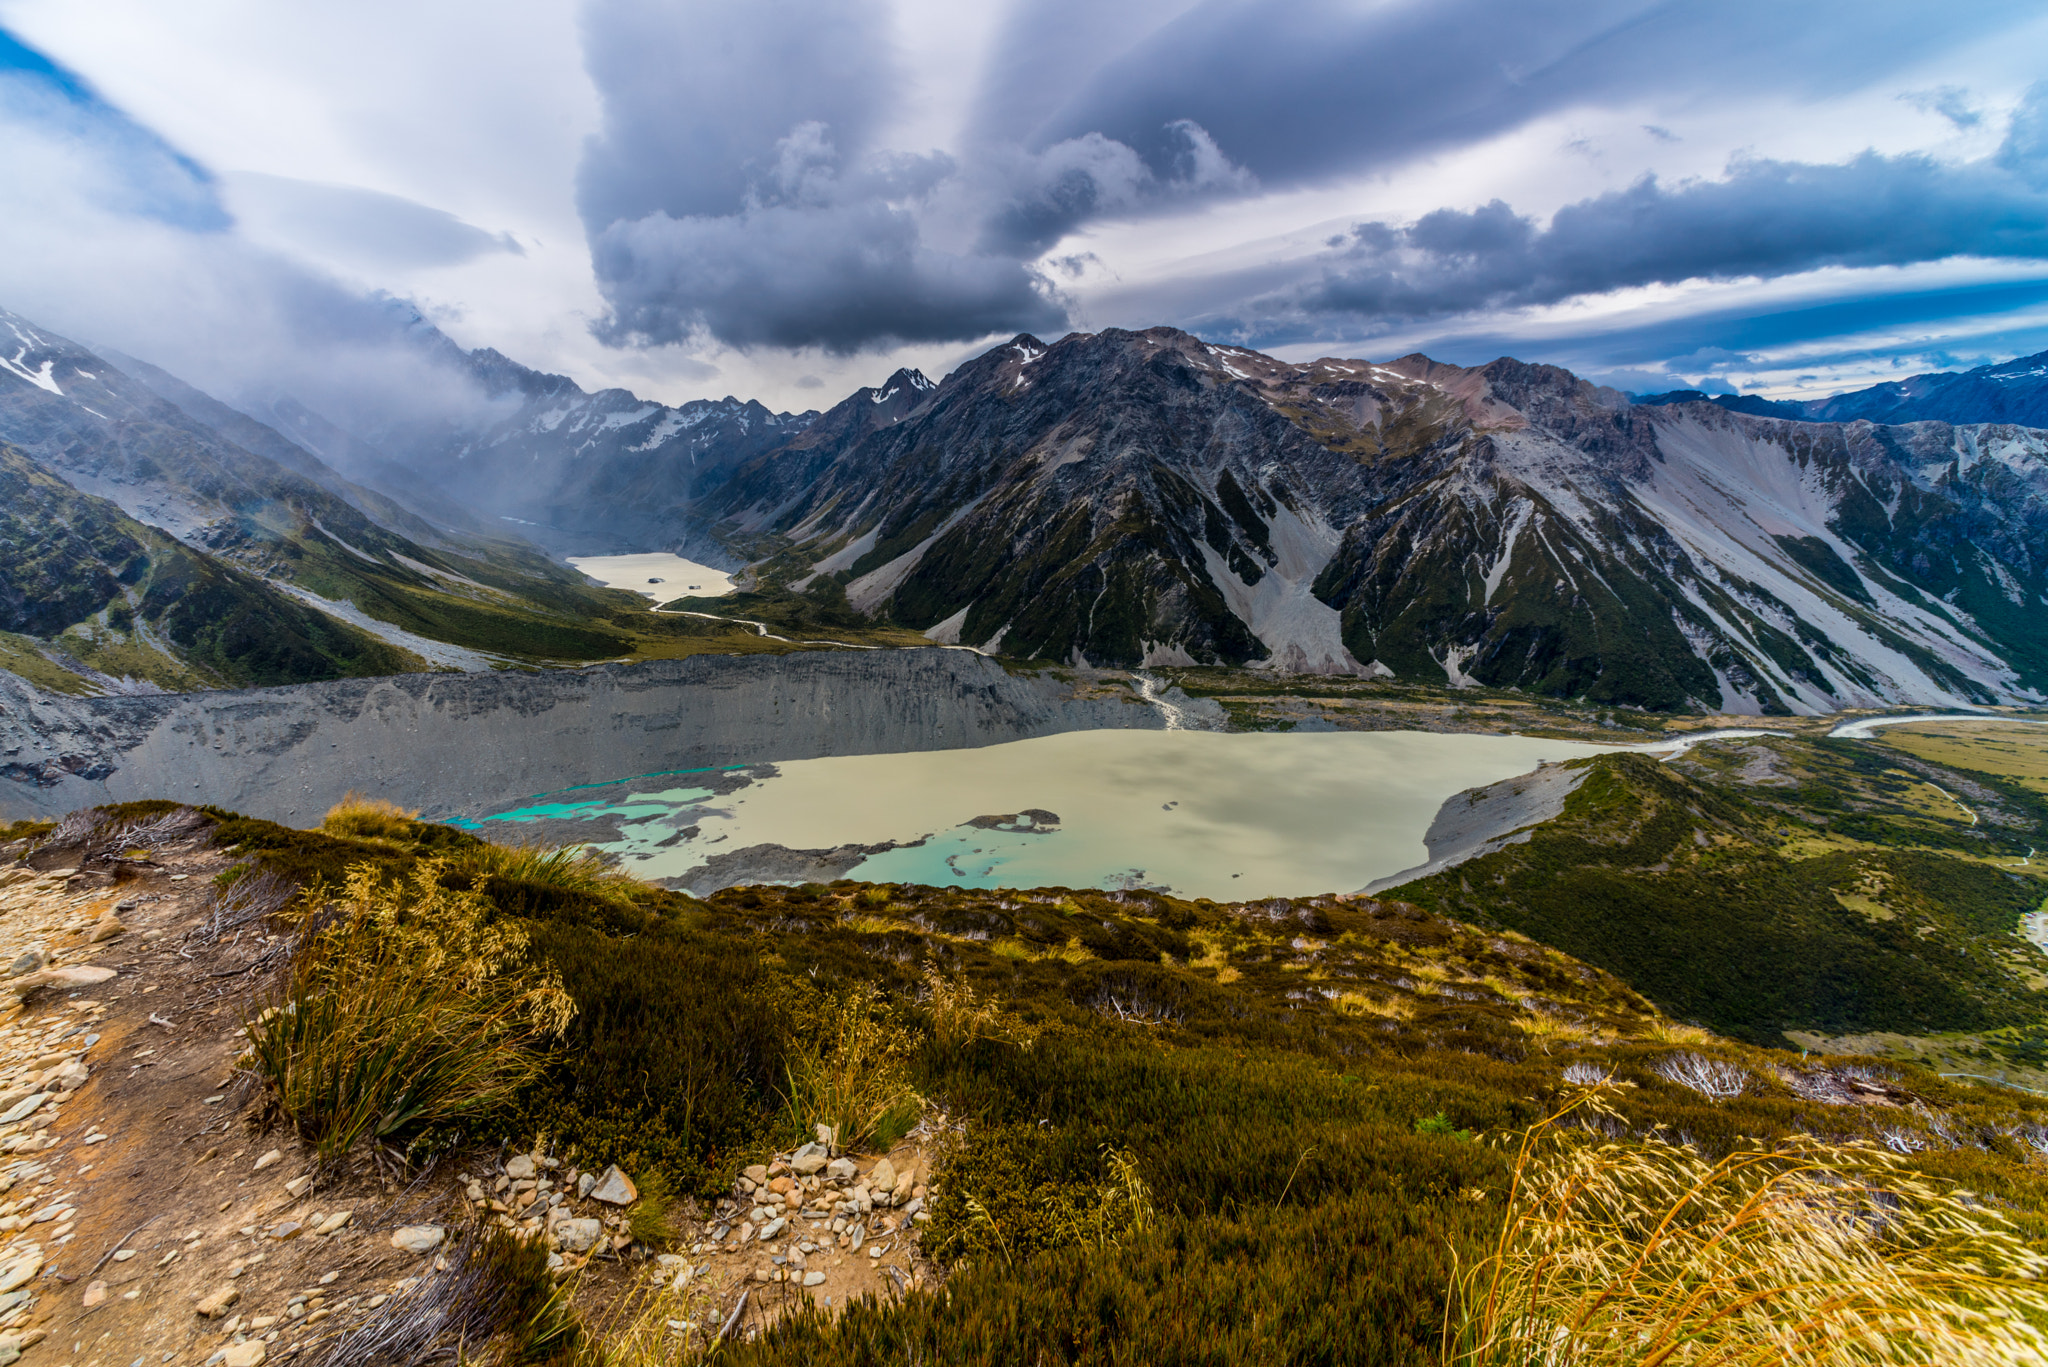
[[1805, 1253]]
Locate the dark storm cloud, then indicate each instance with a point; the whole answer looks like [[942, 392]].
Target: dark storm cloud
[[750, 206], [697, 97], [737, 191], [1317, 87], [1764, 219], [813, 259]]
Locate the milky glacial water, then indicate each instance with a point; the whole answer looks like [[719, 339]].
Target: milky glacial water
[[659, 575], [1201, 814]]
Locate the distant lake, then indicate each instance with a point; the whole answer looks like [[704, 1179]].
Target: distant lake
[[659, 575], [1200, 814]]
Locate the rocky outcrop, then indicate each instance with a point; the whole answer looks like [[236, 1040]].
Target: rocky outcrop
[[447, 742]]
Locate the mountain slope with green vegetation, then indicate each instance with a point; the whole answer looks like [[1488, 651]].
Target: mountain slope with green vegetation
[[88, 593], [1780, 885]]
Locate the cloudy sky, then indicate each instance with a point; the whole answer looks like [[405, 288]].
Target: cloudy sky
[[785, 198]]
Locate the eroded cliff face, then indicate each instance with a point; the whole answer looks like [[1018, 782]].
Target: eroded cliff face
[[447, 742]]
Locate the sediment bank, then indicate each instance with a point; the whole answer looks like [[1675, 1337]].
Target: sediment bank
[[445, 743]]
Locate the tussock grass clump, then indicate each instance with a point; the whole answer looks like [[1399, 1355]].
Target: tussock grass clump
[[494, 1288], [850, 1069], [959, 1016], [368, 818], [533, 880], [651, 1219], [405, 1007], [1803, 1253]]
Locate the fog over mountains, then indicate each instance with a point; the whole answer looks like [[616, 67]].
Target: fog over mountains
[[1119, 498]]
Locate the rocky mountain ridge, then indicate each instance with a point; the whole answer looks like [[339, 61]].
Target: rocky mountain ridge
[[1147, 498]]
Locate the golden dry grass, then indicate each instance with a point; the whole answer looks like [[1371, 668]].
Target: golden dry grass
[[1806, 1254], [406, 1006], [368, 818]]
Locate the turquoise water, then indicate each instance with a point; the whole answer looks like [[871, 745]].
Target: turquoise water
[[1201, 814]]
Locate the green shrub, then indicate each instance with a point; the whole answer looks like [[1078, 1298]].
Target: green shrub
[[1436, 1124], [674, 1060]]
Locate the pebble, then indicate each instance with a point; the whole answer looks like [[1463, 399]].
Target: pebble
[[418, 1238], [216, 1305], [268, 1159], [519, 1167]]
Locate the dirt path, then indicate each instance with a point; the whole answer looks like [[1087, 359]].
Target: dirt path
[[146, 1217]]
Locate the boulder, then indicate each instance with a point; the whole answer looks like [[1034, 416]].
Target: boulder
[[809, 1159], [883, 1177], [839, 1169], [577, 1236], [615, 1188], [23, 1109], [65, 1077], [85, 975], [21, 1271]]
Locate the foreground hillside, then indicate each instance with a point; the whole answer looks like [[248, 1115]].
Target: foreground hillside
[[517, 1101]]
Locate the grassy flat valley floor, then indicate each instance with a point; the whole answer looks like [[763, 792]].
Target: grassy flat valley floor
[[2007, 749]]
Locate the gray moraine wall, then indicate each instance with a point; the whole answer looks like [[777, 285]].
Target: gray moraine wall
[[449, 743]]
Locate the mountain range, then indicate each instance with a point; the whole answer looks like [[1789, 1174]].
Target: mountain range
[[1117, 498], [2012, 391]]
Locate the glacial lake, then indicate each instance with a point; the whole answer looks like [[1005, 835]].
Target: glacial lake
[[1200, 814], [659, 575]]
